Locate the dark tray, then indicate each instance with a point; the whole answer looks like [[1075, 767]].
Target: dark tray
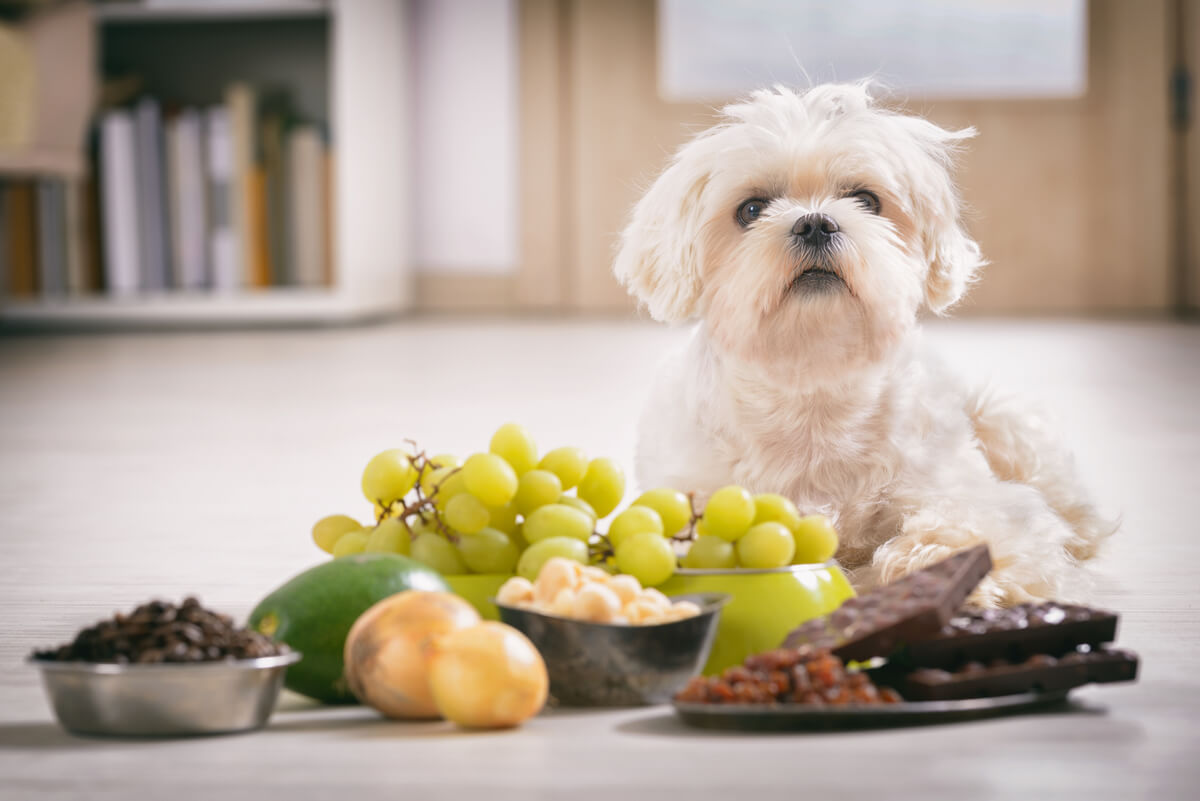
[[798, 717]]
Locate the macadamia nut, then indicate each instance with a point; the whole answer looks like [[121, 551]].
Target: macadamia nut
[[568, 589]]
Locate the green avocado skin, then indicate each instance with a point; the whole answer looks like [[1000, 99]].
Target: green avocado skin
[[315, 610]]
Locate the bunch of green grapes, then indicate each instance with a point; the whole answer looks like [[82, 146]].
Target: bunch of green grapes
[[506, 511], [501, 511], [736, 530]]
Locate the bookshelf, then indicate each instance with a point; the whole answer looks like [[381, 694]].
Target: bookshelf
[[359, 83]]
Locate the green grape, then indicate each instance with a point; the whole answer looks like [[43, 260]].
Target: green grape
[[449, 486], [768, 506], [535, 489], [432, 478], [390, 536], [729, 513], [816, 540], [351, 542], [503, 518], [580, 504], [602, 486], [444, 460], [710, 553], [568, 463], [489, 478], [672, 506], [648, 557], [437, 552], [766, 545], [388, 476], [537, 554], [513, 444], [418, 525], [634, 520], [328, 530], [517, 535], [488, 551], [556, 520], [464, 513]]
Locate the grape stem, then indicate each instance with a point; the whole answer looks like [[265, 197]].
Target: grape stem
[[689, 533], [422, 506]]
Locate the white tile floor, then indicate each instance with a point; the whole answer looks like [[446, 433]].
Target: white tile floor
[[139, 465]]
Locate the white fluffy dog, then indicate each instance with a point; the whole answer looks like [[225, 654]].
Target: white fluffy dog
[[807, 232]]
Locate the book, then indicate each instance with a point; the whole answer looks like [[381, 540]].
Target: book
[[51, 236], [20, 240], [224, 248], [4, 237], [154, 240], [255, 199], [306, 205], [240, 100], [174, 206], [187, 201], [271, 129], [330, 216], [75, 237], [119, 203], [93, 252]]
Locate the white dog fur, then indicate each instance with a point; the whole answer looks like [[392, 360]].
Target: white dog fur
[[818, 387]]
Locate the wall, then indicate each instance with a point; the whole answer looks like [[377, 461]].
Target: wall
[[465, 136]]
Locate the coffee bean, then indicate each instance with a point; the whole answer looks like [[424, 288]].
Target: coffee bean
[[158, 631]]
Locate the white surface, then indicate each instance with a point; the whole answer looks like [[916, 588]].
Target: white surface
[[136, 465], [465, 122], [718, 49]]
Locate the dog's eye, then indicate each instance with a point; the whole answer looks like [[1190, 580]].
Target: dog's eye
[[750, 210], [868, 199]]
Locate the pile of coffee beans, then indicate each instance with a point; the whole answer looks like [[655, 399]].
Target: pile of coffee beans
[[163, 632]]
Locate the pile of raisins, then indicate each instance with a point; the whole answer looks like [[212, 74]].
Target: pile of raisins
[[788, 675]]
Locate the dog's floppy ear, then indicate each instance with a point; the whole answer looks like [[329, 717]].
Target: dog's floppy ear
[[954, 261], [660, 255], [953, 256]]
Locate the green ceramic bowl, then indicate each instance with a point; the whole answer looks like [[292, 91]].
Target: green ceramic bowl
[[764, 604], [479, 589]]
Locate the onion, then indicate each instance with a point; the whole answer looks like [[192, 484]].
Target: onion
[[487, 676], [388, 649]]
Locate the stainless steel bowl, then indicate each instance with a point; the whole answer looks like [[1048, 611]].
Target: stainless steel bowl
[[600, 664], [164, 700]]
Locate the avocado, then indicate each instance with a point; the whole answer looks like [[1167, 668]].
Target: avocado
[[314, 611]]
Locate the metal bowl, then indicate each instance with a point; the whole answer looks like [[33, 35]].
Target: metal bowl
[[601, 664], [164, 700]]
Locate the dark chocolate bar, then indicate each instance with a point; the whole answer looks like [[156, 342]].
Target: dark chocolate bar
[[908, 610], [1039, 672], [1014, 634]]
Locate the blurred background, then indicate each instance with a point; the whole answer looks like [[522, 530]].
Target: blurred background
[[238, 162], [247, 244]]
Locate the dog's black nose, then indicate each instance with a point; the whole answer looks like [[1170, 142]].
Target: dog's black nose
[[815, 229]]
